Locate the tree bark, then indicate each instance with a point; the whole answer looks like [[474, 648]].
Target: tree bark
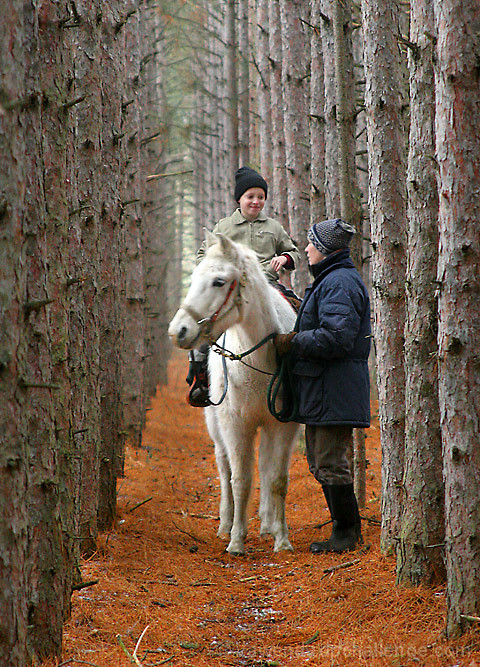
[[221, 198], [83, 259], [202, 139], [384, 101], [264, 109], [159, 229], [317, 117], [295, 68], [13, 453], [244, 82], [231, 89], [278, 190], [331, 185], [458, 154], [56, 197], [419, 550], [51, 548], [135, 327]]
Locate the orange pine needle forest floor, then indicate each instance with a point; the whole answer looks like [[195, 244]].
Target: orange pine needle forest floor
[[169, 594]]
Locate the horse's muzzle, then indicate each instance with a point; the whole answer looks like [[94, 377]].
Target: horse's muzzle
[[184, 335]]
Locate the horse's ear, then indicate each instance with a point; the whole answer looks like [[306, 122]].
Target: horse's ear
[[210, 238], [228, 248]]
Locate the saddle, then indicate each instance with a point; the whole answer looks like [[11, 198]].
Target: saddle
[[288, 294], [295, 302]]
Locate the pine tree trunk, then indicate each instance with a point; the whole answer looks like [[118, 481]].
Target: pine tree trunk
[[384, 101], [50, 552], [84, 318], [278, 190], [202, 133], [317, 117], [419, 550], [135, 327], [231, 89], [221, 202], [35, 466], [344, 116], [263, 91], [158, 237], [295, 60], [331, 185], [62, 240], [458, 154], [243, 82], [13, 453]]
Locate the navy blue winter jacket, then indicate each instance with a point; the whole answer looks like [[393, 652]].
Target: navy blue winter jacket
[[330, 351]]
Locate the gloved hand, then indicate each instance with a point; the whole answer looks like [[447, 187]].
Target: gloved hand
[[283, 342]]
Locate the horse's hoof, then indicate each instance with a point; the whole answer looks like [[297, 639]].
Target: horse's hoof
[[284, 545], [236, 554], [236, 550]]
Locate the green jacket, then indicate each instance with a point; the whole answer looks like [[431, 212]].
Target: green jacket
[[264, 235]]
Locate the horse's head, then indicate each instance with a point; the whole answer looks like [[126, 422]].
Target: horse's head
[[213, 302]]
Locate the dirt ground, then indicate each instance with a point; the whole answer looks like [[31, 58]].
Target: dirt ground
[[169, 594]]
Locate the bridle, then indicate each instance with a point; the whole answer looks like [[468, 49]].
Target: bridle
[[206, 323]]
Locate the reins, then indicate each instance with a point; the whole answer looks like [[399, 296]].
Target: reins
[[220, 349], [225, 378], [280, 378], [226, 354]]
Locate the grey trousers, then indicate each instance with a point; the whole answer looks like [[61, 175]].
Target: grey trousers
[[329, 451]]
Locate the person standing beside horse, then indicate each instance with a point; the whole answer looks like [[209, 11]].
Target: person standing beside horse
[[329, 351], [275, 250]]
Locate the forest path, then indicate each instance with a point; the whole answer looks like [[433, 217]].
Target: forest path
[[163, 572]]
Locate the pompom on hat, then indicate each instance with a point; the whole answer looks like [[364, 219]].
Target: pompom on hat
[[246, 178], [330, 235]]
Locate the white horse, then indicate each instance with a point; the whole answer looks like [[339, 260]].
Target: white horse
[[229, 292]]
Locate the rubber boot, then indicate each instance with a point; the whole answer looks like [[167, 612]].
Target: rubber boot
[[346, 528], [326, 493]]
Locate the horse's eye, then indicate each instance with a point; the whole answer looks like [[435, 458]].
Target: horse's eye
[[218, 282]]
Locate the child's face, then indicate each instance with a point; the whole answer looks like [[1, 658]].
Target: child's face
[[251, 202]]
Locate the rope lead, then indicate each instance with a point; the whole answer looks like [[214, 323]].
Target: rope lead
[[282, 380]]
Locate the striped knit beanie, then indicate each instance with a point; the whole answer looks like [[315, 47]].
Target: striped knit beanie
[[330, 235]]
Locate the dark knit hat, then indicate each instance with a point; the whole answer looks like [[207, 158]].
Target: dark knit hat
[[246, 178], [330, 235]]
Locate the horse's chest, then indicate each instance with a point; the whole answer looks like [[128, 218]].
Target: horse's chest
[[250, 384]]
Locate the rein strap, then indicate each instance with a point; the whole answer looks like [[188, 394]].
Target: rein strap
[[219, 349]]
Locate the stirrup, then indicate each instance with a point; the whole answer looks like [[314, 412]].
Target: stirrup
[[198, 397]]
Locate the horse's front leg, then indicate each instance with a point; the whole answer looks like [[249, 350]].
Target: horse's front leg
[[273, 463], [240, 447], [224, 473]]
